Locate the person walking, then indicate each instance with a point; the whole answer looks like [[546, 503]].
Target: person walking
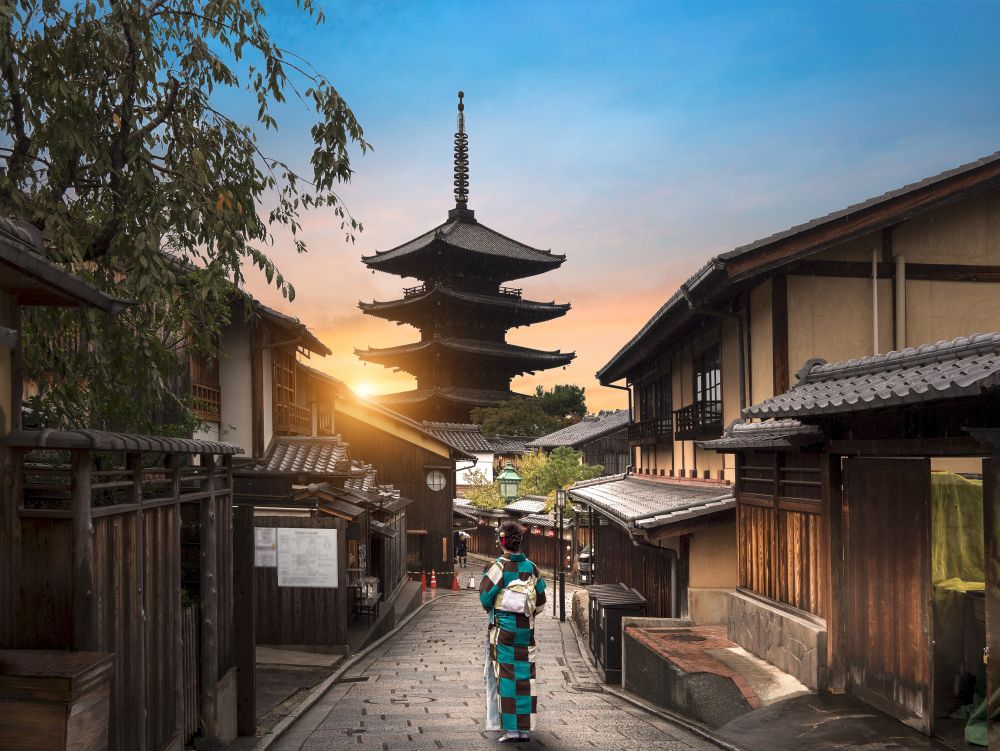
[[462, 549], [511, 590]]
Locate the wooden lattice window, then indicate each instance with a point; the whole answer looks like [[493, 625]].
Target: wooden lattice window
[[206, 393], [283, 376], [708, 376]]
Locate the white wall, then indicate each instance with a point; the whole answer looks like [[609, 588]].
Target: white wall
[[235, 385], [484, 462], [211, 432]]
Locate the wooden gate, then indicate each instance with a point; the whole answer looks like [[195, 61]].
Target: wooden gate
[[888, 586]]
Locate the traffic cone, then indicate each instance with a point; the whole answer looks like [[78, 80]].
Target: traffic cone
[[423, 581], [434, 579], [472, 582], [454, 582]]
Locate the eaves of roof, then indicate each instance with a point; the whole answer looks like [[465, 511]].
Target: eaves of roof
[[303, 337], [714, 276], [102, 440]]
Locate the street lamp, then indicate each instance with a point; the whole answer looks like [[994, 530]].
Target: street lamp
[[510, 482], [560, 508]]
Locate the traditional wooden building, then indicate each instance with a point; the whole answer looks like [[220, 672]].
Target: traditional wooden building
[[603, 439], [861, 568], [917, 264], [406, 454], [462, 310]]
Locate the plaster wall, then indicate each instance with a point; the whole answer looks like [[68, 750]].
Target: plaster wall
[[712, 556], [831, 317], [966, 232], [944, 310], [210, 432], [234, 385], [760, 361], [8, 319], [858, 250], [267, 401]]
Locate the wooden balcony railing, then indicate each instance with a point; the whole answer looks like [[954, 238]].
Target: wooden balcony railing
[[207, 401], [698, 420], [511, 291], [293, 419], [324, 418], [654, 430]]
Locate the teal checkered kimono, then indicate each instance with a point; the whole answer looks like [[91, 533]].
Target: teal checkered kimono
[[512, 642]]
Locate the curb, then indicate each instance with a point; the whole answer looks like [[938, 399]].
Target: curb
[[685, 723], [316, 694]]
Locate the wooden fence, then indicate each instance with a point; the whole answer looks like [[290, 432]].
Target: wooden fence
[[95, 561], [540, 549], [643, 567]]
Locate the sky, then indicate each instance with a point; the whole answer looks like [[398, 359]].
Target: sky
[[639, 139]]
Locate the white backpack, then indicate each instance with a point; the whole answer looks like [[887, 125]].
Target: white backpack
[[517, 597]]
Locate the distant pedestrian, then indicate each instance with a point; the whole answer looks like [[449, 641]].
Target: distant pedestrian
[[462, 550], [511, 590]]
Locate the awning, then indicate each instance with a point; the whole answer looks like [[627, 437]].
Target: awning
[[341, 509], [381, 528]]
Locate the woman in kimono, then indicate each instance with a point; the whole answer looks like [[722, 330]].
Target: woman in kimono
[[510, 591]]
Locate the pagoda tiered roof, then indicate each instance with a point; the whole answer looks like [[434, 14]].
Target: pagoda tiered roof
[[432, 300], [408, 356], [455, 394], [466, 248]]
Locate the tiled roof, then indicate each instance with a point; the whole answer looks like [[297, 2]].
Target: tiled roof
[[313, 456], [307, 340], [471, 236], [589, 428], [961, 367], [493, 350], [545, 521], [769, 434], [510, 444], [103, 440], [467, 437], [643, 505], [715, 268], [527, 506]]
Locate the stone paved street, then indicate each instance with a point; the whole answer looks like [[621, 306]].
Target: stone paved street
[[423, 689]]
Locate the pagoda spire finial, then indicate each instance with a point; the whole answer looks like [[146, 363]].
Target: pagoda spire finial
[[461, 181]]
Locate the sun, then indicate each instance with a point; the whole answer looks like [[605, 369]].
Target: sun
[[364, 390]]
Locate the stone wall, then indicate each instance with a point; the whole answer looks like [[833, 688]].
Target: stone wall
[[795, 644]]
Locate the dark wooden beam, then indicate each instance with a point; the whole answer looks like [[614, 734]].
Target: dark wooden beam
[[209, 668], [779, 332], [84, 608], [244, 612], [934, 272]]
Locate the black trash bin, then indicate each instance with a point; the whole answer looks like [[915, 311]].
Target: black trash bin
[[596, 591], [608, 606]]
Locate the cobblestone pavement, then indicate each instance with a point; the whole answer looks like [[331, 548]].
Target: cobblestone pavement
[[423, 689]]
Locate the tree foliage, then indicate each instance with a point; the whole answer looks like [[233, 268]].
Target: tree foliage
[[482, 493], [564, 401], [520, 417], [117, 147], [545, 474]]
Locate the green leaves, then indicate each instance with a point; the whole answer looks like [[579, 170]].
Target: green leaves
[[113, 145]]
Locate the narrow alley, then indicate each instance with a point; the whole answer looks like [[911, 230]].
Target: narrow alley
[[423, 689]]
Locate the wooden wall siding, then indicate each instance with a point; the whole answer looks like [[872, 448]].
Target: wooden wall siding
[[405, 465], [610, 451], [643, 567], [302, 615], [394, 553], [540, 549], [780, 529], [190, 697], [887, 597], [134, 571]]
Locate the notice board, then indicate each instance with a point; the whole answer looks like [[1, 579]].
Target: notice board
[[265, 546], [307, 557]]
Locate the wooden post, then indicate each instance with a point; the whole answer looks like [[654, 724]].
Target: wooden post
[[244, 612], [833, 575], [133, 466], [991, 538], [172, 465], [84, 611], [209, 606]]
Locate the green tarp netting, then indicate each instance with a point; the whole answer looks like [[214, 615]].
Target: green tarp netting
[[957, 568]]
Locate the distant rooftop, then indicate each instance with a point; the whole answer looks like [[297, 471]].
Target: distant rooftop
[[589, 428]]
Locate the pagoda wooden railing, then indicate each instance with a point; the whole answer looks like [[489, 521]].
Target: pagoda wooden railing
[[292, 419], [424, 288], [698, 420], [414, 291], [511, 292], [654, 430]]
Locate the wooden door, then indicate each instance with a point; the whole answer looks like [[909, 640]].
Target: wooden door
[[887, 586]]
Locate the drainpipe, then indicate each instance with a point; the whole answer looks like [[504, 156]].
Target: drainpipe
[[875, 299], [900, 303]]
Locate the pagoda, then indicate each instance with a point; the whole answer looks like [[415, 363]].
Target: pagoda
[[463, 310]]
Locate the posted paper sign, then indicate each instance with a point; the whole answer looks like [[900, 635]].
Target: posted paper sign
[[265, 547], [307, 557]]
